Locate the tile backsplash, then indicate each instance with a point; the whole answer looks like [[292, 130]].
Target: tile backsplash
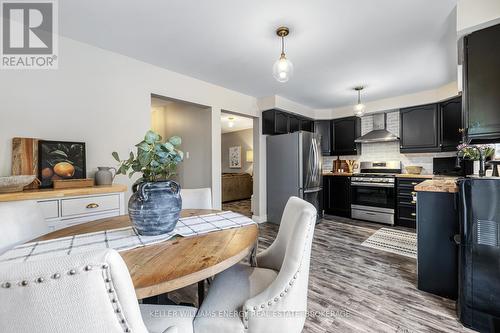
[[387, 151]]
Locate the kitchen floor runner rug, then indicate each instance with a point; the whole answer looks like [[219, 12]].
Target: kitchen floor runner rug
[[395, 241]]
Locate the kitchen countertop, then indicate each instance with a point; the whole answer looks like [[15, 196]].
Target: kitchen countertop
[[61, 193], [410, 175], [439, 184], [348, 174]]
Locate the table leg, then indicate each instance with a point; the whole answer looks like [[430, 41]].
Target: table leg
[[201, 292]]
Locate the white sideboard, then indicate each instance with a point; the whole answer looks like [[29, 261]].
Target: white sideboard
[[68, 207]]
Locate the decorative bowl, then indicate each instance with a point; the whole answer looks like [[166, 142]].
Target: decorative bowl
[[15, 183], [413, 169]]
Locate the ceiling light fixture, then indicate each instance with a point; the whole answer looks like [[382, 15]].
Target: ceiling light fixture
[[283, 68], [359, 108], [231, 122]]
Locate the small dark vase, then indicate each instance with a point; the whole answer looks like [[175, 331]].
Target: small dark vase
[[154, 208]]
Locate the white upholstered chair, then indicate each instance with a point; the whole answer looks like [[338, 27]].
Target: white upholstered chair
[[273, 296], [196, 198], [90, 292], [20, 221]]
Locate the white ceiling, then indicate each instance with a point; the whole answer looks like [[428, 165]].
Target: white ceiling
[[238, 123], [393, 47]]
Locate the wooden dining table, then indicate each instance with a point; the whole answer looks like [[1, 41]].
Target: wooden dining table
[[178, 262]]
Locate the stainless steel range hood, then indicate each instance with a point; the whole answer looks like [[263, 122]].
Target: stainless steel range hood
[[379, 132]]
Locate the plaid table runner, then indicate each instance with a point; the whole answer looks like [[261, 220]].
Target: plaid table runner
[[122, 239]]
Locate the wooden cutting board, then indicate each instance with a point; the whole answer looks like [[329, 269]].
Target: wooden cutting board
[[25, 158]]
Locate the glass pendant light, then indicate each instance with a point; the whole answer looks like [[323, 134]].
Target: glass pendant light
[[283, 68], [359, 108]]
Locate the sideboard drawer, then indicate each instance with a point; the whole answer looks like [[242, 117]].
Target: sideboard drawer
[[50, 209], [90, 205]]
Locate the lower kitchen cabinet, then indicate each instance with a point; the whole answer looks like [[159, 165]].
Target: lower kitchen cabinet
[[437, 258], [337, 195], [406, 205]]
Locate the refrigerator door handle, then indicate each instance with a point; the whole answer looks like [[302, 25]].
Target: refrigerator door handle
[[312, 190]]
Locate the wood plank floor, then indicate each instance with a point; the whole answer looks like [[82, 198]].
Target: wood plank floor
[[353, 288]]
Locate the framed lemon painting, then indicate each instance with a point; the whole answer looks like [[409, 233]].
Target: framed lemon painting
[[60, 160]]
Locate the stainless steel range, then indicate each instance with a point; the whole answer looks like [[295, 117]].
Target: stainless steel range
[[374, 191]]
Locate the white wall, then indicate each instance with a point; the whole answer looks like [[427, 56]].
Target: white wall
[[104, 99], [190, 123], [423, 97], [476, 14], [278, 102]]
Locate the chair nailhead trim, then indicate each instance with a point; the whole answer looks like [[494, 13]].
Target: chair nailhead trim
[[6, 285], [106, 275], [56, 276], [282, 294], [88, 268], [72, 272], [40, 280], [24, 283]]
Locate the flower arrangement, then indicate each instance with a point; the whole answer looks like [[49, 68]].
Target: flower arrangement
[[468, 152]]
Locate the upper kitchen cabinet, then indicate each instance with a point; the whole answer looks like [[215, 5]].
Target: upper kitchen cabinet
[[293, 123], [431, 127], [482, 85], [274, 122], [345, 131], [307, 125], [419, 129], [324, 129], [280, 122], [450, 124]]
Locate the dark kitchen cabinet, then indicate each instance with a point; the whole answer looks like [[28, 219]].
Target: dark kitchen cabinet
[[276, 122], [432, 127], [337, 195], [344, 132], [306, 125], [419, 129], [406, 206], [450, 124], [482, 85], [293, 124], [437, 261], [324, 128]]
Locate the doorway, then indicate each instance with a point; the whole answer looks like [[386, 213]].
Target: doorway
[[237, 158]]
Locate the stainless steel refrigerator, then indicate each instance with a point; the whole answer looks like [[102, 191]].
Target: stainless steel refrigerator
[[293, 169]]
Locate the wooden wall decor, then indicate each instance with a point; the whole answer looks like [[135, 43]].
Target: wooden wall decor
[[25, 158]]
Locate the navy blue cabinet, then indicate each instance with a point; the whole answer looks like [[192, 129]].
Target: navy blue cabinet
[[482, 85]]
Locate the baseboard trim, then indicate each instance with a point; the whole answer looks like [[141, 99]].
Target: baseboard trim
[[259, 219]]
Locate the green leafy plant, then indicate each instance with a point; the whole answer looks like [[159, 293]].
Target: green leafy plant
[[156, 160], [472, 154]]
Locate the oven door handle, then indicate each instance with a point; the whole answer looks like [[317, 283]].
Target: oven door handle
[[388, 185]]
